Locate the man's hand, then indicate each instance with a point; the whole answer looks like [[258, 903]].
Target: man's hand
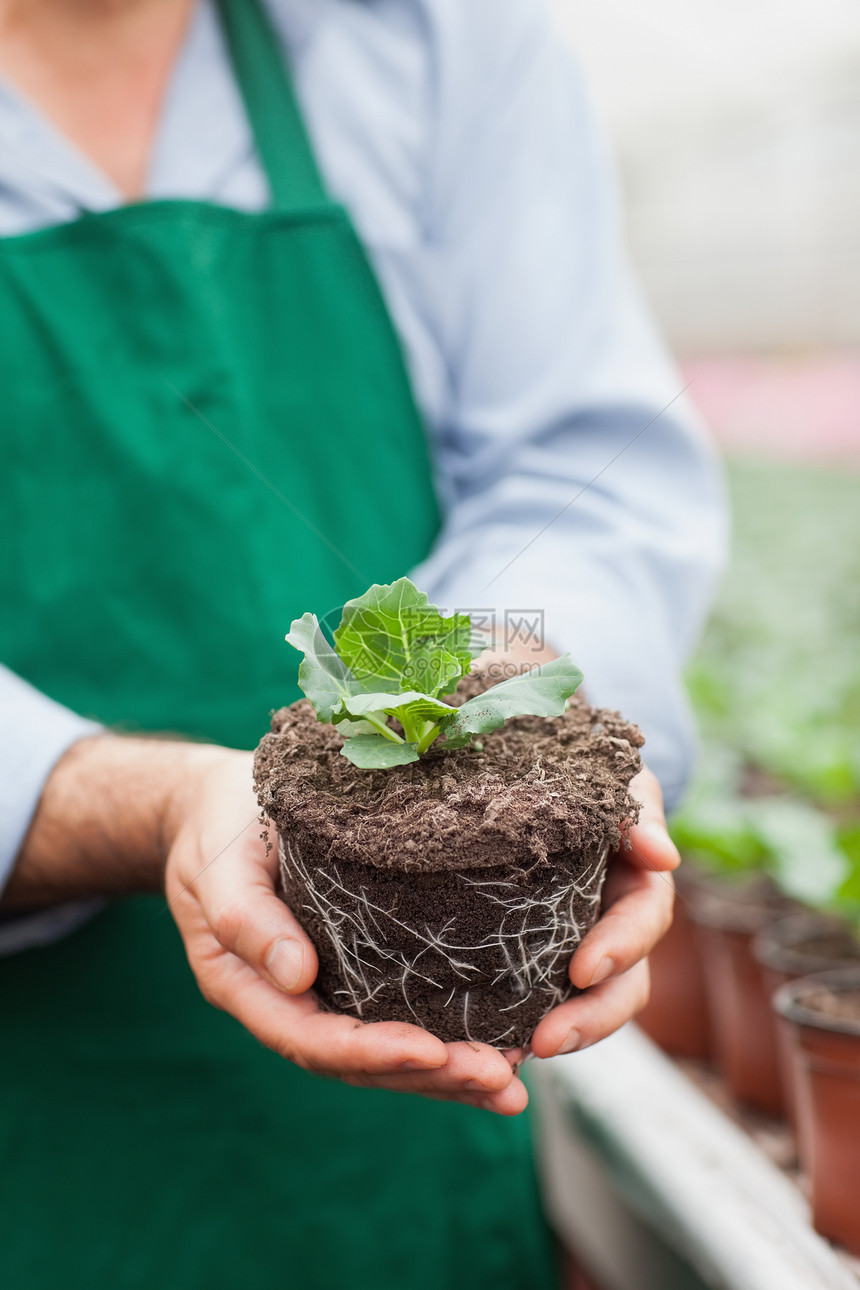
[[611, 963], [251, 958]]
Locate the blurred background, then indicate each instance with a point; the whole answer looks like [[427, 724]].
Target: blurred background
[[736, 128]]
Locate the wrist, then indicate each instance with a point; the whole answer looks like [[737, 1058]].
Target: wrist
[[106, 819], [189, 766]]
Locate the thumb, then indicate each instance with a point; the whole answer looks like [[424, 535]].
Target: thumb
[[651, 846], [248, 918]]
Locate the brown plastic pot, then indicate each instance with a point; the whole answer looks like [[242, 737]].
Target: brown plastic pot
[[826, 1072], [744, 1034], [677, 1016], [795, 947]]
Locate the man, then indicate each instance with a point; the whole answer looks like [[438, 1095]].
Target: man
[[212, 426]]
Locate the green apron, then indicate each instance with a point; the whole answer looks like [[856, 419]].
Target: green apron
[[207, 428]]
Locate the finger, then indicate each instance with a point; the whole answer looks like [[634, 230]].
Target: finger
[[250, 920], [383, 1055], [510, 1101], [485, 1068], [469, 1069], [330, 1044], [293, 1026], [465, 1074], [592, 1016], [650, 844], [514, 1056], [628, 930]]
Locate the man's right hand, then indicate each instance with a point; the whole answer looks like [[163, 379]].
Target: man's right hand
[[252, 958], [120, 816]]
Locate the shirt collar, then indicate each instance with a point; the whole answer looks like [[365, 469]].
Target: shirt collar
[[203, 133]]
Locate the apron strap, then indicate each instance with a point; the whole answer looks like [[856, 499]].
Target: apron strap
[[276, 121]]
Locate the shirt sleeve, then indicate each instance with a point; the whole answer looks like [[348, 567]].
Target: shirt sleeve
[[34, 733], [578, 485]]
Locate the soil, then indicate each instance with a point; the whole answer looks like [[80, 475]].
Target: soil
[[841, 1005], [450, 892], [807, 943]]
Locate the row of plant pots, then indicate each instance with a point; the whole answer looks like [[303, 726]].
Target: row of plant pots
[[770, 992]]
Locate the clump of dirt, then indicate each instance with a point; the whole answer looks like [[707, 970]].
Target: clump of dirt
[[450, 892], [840, 1005], [537, 788]]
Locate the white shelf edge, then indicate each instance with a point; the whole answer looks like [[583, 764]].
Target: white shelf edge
[[685, 1167]]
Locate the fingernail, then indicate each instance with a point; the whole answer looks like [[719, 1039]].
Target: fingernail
[[416, 1064], [571, 1043], [284, 963], [478, 1086], [604, 969]]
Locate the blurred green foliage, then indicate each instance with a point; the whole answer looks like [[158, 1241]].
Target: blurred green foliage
[[776, 689]]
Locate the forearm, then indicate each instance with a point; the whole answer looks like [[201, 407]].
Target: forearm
[[105, 820]]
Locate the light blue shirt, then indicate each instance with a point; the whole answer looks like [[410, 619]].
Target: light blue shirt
[[457, 134]]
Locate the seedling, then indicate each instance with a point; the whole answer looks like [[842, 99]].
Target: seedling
[[451, 896], [395, 656]]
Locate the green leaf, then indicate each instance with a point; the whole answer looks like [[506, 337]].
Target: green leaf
[[395, 654], [717, 834], [350, 728], [421, 716], [323, 677], [393, 638], [807, 861], [847, 900], [422, 707], [542, 692], [371, 751]]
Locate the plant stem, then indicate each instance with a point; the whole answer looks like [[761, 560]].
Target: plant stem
[[383, 728], [428, 736], [409, 728]]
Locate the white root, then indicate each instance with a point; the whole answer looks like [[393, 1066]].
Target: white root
[[534, 935]]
